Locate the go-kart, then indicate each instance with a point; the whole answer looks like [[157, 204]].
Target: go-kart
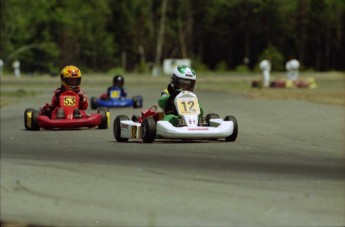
[[150, 126], [69, 101], [115, 100]]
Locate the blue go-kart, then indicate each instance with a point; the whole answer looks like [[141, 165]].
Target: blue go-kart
[[115, 100]]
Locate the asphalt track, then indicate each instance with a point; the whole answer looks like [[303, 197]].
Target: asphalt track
[[287, 168]]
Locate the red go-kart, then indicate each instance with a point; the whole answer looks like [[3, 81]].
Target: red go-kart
[[69, 102]]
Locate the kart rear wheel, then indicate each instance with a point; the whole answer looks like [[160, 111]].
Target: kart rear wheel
[[148, 130], [104, 112], [117, 128], [233, 136], [137, 101], [93, 102], [211, 116], [27, 120], [34, 120]]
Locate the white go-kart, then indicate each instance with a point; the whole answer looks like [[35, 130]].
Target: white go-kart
[[150, 125]]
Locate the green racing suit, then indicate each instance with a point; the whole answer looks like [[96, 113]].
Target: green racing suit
[[166, 102]]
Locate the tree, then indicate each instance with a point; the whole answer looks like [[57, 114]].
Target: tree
[[99, 35]]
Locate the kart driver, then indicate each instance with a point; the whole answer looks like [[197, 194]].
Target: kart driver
[[70, 80], [118, 83], [182, 78]]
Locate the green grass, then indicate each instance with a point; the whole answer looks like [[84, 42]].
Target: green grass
[[9, 97], [330, 86], [18, 93], [330, 90]]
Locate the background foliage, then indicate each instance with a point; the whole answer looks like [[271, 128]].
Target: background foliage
[[108, 35]]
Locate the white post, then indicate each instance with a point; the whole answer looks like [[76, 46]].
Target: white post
[[1, 66], [16, 67]]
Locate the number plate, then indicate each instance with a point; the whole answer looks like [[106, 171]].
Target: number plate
[[188, 106], [69, 101], [115, 94]]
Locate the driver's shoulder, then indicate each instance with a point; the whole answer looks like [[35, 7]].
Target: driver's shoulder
[[114, 88], [57, 90], [165, 92]]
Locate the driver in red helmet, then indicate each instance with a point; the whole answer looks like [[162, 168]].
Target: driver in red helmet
[[70, 80]]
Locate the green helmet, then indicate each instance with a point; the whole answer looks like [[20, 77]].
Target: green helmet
[[183, 77]]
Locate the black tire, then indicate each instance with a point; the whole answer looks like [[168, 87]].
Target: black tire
[[148, 130], [93, 102], [233, 136], [137, 101], [117, 128], [27, 124], [211, 116], [34, 123], [104, 112]]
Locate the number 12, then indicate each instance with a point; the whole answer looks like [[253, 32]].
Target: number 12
[[190, 104]]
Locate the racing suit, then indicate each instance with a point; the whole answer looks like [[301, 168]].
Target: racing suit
[[106, 96], [166, 102], [48, 109]]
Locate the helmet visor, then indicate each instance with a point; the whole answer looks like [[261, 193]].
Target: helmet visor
[[118, 83], [185, 84], [73, 81]]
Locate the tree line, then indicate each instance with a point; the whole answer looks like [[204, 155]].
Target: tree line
[[99, 35]]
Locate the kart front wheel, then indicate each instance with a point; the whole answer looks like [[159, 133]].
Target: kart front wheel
[[34, 120], [28, 118], [148, 130], [233, 136], [93, 102], [117, 128], [104, 112]]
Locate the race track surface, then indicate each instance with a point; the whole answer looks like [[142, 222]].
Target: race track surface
[[287, 168]]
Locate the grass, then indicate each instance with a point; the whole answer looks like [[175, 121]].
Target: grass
[[18, 93], [330, 86], [9, 97]]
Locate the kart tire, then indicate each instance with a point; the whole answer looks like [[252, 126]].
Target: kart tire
[[104, 112], [211, 116], [117, 128], [148, 130], [34, 120], [26, 112], [137, 101], [93, 102], [233, 136]]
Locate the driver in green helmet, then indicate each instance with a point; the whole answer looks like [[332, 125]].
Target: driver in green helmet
[[182, 78]]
